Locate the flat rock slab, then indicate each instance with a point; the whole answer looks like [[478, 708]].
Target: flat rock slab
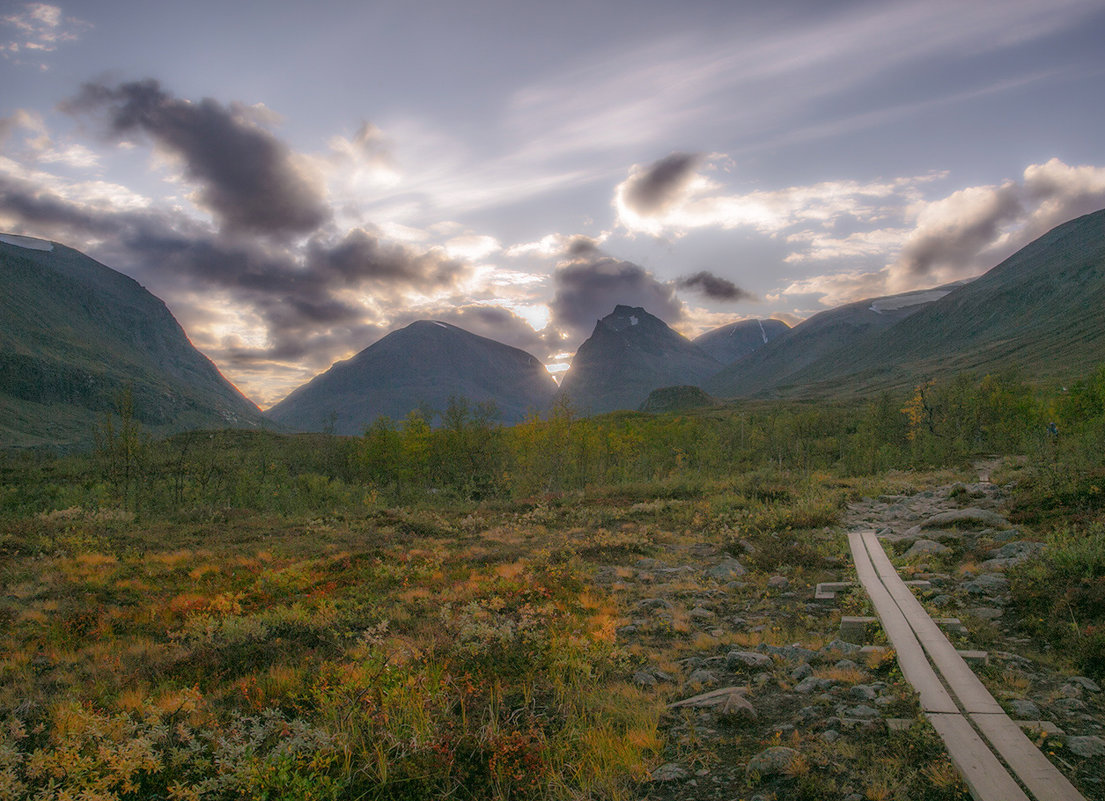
[[981, 518], [1088, 746]]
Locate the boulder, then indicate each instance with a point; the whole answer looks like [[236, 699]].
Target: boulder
[[925, 548]]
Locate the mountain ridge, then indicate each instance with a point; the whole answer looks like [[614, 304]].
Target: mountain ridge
[[424, 363]]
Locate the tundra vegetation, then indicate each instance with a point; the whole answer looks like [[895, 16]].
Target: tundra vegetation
[[417, 612]]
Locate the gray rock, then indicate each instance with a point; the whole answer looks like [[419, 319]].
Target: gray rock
[[1024, 710], [1088, 746], [1071, 690], [1017, 550], [812, 684], [840, 646], [702, 676], [778, 582], [670, 772], [1084, 683], [654, 603], [736, 660], [943, 600], [773, 761], [643, 678], [791, 653], [925, 548], [1069, 705], [846, 664], [801, 672], [726, 570], [988, 584], [830, 735], [728, 701], [863, 692], [862, 712], [700, 613], [979, 518]]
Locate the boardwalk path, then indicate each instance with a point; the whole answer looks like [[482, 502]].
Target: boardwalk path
[[952, 698]]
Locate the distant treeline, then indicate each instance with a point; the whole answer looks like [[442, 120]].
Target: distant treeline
[[467, 458]]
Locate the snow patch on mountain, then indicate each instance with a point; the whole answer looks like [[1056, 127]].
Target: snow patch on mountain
[[28, 242]]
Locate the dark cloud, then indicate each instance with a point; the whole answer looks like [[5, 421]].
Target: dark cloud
[[41, 209], [360, 256], [974, 226], [590, 284], [304, 298], [248, 178], [713, 287], [652, 190]]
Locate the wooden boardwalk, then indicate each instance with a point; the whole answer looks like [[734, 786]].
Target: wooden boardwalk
[[997, 760]]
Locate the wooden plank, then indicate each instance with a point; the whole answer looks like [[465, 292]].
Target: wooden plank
[[911, 657], [1034, 769], [964, 684], [1042, 778], [986, 777]]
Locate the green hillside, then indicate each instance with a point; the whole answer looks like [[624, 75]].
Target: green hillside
[[74, 334]]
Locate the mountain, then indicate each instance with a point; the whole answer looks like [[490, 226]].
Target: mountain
[[74, 334], [423, 364], [737, 340], [629, 354], [1039, 311], [828, 340]]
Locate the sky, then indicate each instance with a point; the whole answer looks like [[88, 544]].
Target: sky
[[296, 180]]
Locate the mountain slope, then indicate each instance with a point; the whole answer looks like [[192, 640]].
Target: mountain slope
[[1042, 311], [828, 340], [737, 340], [629, 354], [423, 364], [1039, 311], [74, 334]]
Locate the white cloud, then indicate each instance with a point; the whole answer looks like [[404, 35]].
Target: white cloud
[[38, 28], [958, 236], [472, 247], [701, 201]]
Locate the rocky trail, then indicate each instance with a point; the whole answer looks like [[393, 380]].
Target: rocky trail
[[769, 699]]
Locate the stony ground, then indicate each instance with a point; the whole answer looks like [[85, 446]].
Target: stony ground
[[768, 701]]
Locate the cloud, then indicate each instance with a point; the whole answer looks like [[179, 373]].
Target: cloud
[[38, 28], [954, 230], [590, 283], [960, 235], [652, 190], [248, 179], [713, 287], [312, 303], [675, 195]]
